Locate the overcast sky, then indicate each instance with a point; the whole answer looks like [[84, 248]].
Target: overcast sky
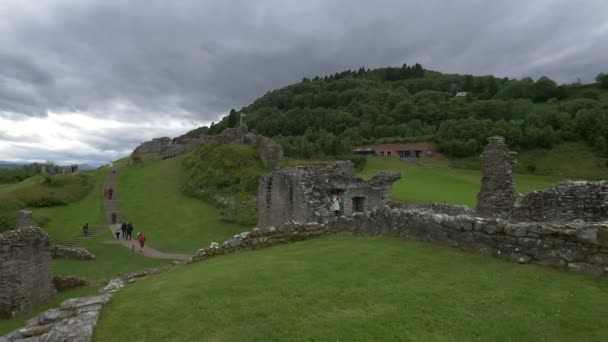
[[88, 80]]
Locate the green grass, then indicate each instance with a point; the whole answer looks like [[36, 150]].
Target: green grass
[[111, 260], [151, 197], [65, 222], [345, 288], [6, 326], [438, 183], [574, 160]]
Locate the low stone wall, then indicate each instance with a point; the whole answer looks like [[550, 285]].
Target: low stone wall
[[566, 201], [576, 246], [75, 253], [436, 208], [25, 270], [261, 238]]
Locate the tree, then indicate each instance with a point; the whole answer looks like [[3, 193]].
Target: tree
[[602, 80], [233, 118]]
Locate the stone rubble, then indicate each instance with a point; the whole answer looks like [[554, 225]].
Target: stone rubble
[[62, 283], [75, 253]]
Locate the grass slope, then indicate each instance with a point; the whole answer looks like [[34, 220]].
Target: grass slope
[[151, 197], [438, 183], [345, 288], [65, 222], [9, 187]]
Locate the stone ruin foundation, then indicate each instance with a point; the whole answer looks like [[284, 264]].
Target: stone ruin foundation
[[269, 151], [25, 267], [302, 194]]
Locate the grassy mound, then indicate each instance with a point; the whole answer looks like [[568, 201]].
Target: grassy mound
[[41, 191], [151, 197], [437, 182], [228, 176], [344, 288]]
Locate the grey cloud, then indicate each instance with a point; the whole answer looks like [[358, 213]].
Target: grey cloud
[[196, 59]]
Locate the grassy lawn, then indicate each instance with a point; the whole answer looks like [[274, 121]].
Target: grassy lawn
[[65, 222], [150, 196], [346, 288], [6, 326], [110, 261], [438, 183]]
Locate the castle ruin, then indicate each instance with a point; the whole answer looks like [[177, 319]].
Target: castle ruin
[[302, 194], [25, 267]]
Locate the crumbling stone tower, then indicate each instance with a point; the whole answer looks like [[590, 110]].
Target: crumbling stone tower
[[497, 194]]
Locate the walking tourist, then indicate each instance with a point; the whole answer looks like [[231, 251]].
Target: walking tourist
[[334, 205], [114, 217], [117, 232], [129, 231], [142, 240], [105, 193], [85, 229], [123, 230], [110, 193]]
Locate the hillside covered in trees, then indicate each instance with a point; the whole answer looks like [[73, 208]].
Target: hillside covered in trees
[[328, 116]]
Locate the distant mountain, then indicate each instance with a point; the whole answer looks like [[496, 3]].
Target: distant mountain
[[10, 165]]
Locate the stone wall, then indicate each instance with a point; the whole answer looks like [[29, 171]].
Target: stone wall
[[156, 145], [566, 201], [25, 270], [576, 246], [497, 195], [302, 194]]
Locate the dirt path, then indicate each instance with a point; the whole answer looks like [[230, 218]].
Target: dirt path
[[113, 206]]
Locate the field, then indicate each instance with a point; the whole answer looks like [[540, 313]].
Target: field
[[574, 160], [437, 182], [150, 196], [345, 288]]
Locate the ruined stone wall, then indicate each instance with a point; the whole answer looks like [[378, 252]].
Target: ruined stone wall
[[576, 246], [302, 194], [566, 201], [156, 145], [497, 195], [25, 270]]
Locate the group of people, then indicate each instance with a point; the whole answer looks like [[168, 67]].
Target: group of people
[[125, 230], [108, 193]]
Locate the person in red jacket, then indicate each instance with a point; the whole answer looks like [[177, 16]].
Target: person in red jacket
[[142, 240]]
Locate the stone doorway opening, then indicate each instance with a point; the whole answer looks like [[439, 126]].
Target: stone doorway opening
[[358, 204]]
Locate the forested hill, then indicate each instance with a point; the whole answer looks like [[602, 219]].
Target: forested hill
[[329, 115]]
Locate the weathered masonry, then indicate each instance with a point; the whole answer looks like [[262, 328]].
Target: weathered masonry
[[497, 195], [302, 194], [25, 268]]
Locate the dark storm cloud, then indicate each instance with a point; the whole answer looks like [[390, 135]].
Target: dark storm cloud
[[194, 60]]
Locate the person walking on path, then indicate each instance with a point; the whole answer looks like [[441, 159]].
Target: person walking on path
[[110, 193], [117, 233], [123, 229], [142, 240], [129, 231], [334, 205], [114, 217], [85, 229]]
